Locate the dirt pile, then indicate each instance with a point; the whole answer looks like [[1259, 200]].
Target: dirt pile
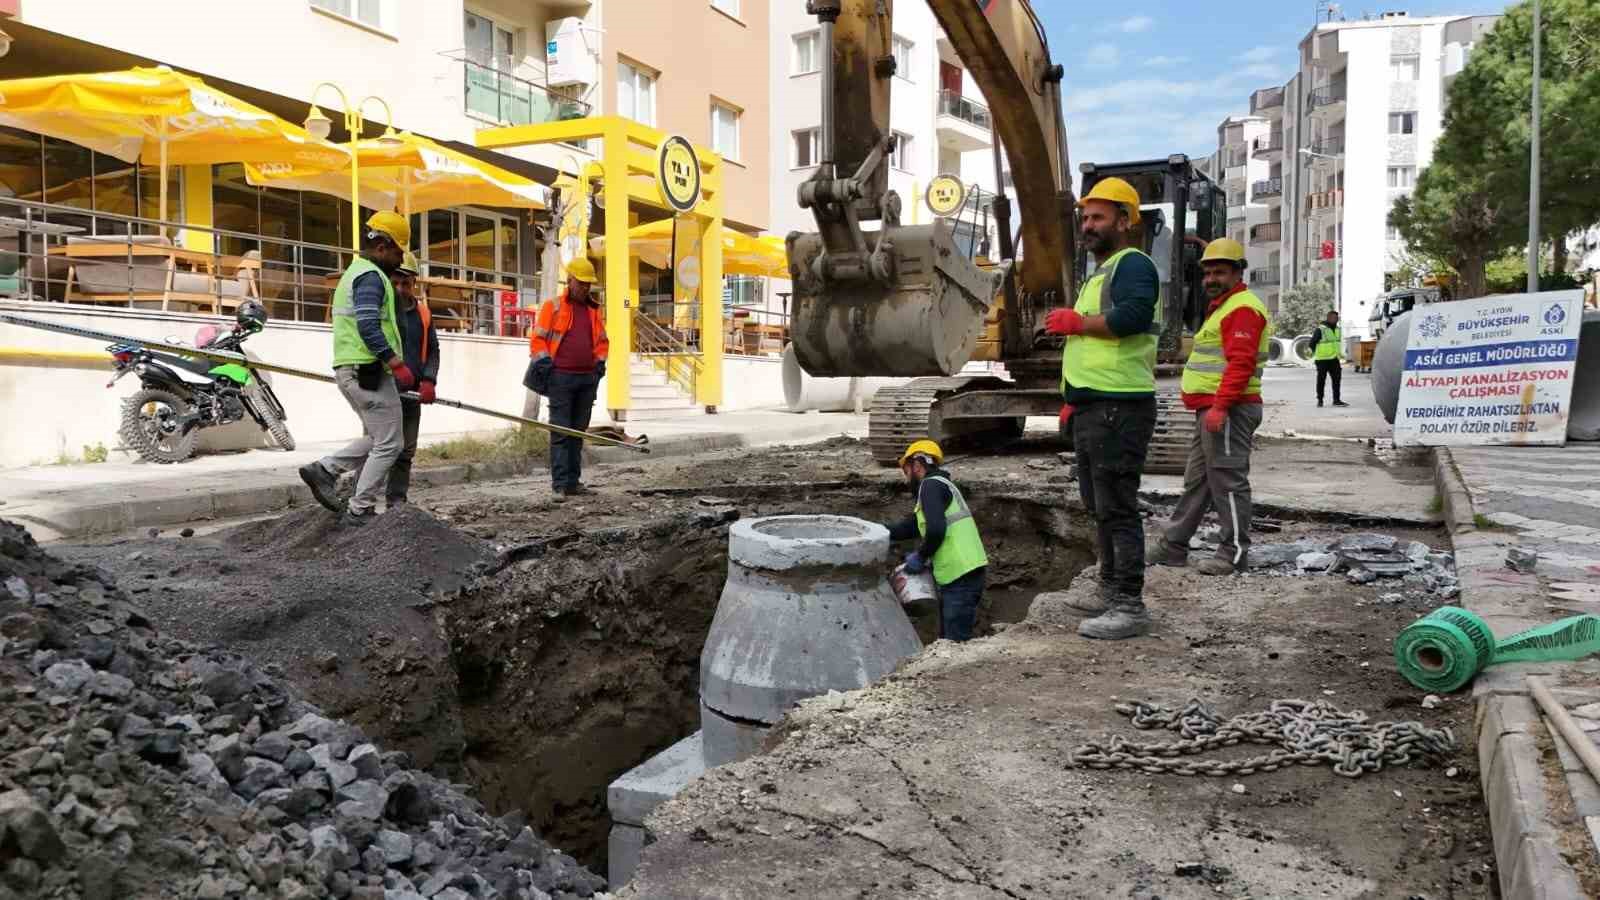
[[138, 765]]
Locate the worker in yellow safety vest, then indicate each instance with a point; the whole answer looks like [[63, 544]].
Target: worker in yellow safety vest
[[948, 539], [1327, 342], [370, 367], [1108, 381], [1222, 386]]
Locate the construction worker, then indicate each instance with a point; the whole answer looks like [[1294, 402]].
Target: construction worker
[[568, 348], [1327, 341], [1222, 386], [420, 347], [949, 540], [1108, 379], [370, 368]]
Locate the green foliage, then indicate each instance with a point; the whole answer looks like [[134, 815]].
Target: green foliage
[[522, 442], [1454, 216], [1302, 307], [95, 454], [1508, 274]]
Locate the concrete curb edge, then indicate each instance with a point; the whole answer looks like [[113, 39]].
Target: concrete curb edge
[[1455, 499]]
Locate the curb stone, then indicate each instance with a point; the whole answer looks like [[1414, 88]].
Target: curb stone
[[1458, 511]]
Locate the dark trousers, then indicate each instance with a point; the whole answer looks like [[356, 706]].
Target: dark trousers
[[400, 472], [1110, 438], [571, 403], [958, 605], [1328, 368]]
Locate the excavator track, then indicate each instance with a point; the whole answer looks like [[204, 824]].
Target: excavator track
[[1169, 447]]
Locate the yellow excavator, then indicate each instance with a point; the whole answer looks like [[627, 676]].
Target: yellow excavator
[[907, 301]]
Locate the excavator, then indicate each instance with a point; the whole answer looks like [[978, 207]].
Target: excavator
[[906, 301]]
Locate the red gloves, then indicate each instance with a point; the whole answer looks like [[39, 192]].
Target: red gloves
[[402, 374], [1216, 417], [1066, 414], [1064, 321], [425, 391]]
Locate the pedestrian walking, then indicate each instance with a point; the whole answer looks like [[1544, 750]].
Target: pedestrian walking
[[420, 347], [370, 369], [948, 539], [1222, 386], [1327, 340], [568, 350], [1108, 379]]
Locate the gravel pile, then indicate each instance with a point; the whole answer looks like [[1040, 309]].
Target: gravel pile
[[134, 765], [1421, 572]]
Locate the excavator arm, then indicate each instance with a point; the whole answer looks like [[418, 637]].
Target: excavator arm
[[902, 300]]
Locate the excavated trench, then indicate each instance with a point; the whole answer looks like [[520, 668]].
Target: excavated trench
[[581, 659]]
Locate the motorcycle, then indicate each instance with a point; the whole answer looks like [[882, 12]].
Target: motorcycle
[[179, 395]]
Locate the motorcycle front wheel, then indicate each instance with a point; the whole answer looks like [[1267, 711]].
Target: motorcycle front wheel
[[276, 430], [152, 426]]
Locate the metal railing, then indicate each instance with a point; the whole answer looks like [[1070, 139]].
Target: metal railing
[[679, 361], [1266, 232], [1267, 143], [1327, 95], [1266, 276], [1266, 98], [951, 103], [491, 93], [1329, 146], [1267, 187], [54, 253]]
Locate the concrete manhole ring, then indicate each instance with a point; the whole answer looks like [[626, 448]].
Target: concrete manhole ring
[[776, 543]]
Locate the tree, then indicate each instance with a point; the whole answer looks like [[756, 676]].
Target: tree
[[1302, 307], [1453, 215]]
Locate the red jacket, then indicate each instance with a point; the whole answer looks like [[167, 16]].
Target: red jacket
[[1241, 341], [555, 320]]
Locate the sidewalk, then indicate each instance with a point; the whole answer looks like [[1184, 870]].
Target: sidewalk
[[1544, 807], [79, 501]]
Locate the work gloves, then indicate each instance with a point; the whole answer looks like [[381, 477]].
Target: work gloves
[[402, 374], [1066, 414], [1064, 321], [425, 392], [1215, 418], [915, 564]]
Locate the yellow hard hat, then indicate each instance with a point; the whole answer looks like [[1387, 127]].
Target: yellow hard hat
[[927, 447], [396, 226], [408, 264], [1115, 190], [1224, 250], [582, 270]]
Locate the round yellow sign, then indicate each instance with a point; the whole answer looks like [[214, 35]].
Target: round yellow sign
[[945, 195], [678, 174]]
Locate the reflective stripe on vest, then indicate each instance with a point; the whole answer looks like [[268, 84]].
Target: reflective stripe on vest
[[348, 347], [1124, 365], [1328, 342], [1202, 374], [426, 314], [962, 548]]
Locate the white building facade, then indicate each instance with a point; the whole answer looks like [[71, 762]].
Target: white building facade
[[1253, 194]]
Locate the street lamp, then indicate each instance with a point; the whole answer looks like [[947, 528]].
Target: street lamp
[[1338, 223], [319, 126]]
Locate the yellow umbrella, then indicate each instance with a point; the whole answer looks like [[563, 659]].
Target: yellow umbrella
[[409, 173], [158, 116], [741, 253]]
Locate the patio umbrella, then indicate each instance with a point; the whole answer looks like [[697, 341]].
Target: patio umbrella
[[410, 173], [158, 117], [741, 253]]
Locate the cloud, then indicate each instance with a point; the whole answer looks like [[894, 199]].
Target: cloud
[[1158, 62], [1132, 25], [1103, 55], [1260, 54]]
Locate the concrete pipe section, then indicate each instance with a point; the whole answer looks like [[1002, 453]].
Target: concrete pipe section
[[1583, 423], [804, 393], [1388, 365], [805, 610]]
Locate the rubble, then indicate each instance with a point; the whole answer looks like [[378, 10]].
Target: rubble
[[1423, 573], [136, 765]]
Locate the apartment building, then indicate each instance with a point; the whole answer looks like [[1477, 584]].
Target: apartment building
[[1254, 187], [1347, 135]]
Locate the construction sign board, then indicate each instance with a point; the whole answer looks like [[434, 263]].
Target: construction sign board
[[1492, 370]]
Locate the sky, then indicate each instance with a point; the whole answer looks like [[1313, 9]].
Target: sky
[[1148, 78]]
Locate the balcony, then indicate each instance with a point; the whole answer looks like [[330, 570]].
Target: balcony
[[1266, 233], [1270, 277], [1267, 187], [1323, 202], [1328, 147], [1328, 100], [1267, 146], [505, 99], [963, 124], [1266, 102]]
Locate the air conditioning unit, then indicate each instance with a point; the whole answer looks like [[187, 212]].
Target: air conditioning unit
[[568, 59]]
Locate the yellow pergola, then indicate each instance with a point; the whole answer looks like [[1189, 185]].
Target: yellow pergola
[[628, 166]]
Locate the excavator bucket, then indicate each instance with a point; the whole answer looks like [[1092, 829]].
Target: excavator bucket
[[925, 320]]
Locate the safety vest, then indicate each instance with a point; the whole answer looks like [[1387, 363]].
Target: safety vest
[[1202, 374], [348, 348], [554, 320], [1328, 342], [1125, 365], [962, 548]]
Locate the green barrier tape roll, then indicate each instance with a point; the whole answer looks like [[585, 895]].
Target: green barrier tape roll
[[1573, 638], [1444, 650]]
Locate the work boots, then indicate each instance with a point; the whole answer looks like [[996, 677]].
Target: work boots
[[324, 486], [1215, 565], [1160, 553], [1123, 619]]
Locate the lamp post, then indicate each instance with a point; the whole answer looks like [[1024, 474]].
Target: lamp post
[[1338, 222], [319, 125], [1533, 166]]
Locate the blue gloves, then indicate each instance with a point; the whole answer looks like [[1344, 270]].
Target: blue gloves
[[915, 564]]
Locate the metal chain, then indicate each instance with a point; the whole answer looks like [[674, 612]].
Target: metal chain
[[1306, 733]]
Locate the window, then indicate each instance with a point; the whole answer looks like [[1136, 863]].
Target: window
[[725, 130], [367, 12], [901, 157], [1402, 176], [636, 93], [487, 44], [1403, 123], [1404, 68], [731, 7], [1394, 234], [807, 147], [902, 58], [805, 53]]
